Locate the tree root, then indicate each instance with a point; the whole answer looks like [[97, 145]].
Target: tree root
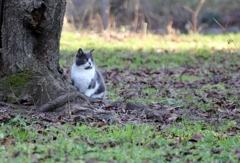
[[81, 108], [62, 100], [107, 112], [12, 105]]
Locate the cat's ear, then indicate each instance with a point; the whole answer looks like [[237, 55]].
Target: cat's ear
[[79, 53], [91, 50]]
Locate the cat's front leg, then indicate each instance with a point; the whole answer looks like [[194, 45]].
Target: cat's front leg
[[89, 92]]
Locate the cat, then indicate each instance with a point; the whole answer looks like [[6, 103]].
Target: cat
[[86, 77]]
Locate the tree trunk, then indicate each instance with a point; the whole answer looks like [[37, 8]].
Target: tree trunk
[[195, 13], [135, 21], [30, 51], [195, 16], [105, 13]]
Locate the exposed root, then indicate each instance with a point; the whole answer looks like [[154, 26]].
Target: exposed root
[[13, 105], [84, 109], [62, 100]]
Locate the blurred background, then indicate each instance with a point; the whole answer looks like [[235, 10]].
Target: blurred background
[[154, 16]]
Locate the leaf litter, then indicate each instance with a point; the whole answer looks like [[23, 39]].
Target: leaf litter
[[161, 96]]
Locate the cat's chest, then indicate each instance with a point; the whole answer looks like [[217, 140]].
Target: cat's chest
[[82, 78]]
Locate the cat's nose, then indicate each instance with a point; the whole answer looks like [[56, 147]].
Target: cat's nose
[[89, 63]]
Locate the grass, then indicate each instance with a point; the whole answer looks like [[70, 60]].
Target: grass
[[130, 143], [165, 51], [22, 140]]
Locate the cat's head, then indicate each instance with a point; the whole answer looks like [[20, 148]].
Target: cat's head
[[84, 59]]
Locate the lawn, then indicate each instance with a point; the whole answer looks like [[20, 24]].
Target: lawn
[[193, 79]]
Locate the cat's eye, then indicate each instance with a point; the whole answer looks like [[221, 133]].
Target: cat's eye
[[85, 60]]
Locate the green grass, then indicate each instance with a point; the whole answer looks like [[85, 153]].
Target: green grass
[[148, 51], [129, 143], [206, 57]]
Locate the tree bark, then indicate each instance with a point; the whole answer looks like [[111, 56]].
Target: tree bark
[[30, 51], [1, 21]]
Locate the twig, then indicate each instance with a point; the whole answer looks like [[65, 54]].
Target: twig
[[188, 9], [219, 24], [34, 106], [230, 39], [45, 82]]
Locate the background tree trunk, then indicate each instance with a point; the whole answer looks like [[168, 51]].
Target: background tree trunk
[[30, 51], [135, 21], [105, 13], [194, 21]]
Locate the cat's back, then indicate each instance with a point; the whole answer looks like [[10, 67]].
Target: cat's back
[[99, 91]]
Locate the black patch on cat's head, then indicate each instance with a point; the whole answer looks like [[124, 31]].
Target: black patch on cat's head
[[82, 57], [79, 53]]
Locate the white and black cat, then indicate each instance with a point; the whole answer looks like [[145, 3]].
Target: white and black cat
[[86, 77]]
